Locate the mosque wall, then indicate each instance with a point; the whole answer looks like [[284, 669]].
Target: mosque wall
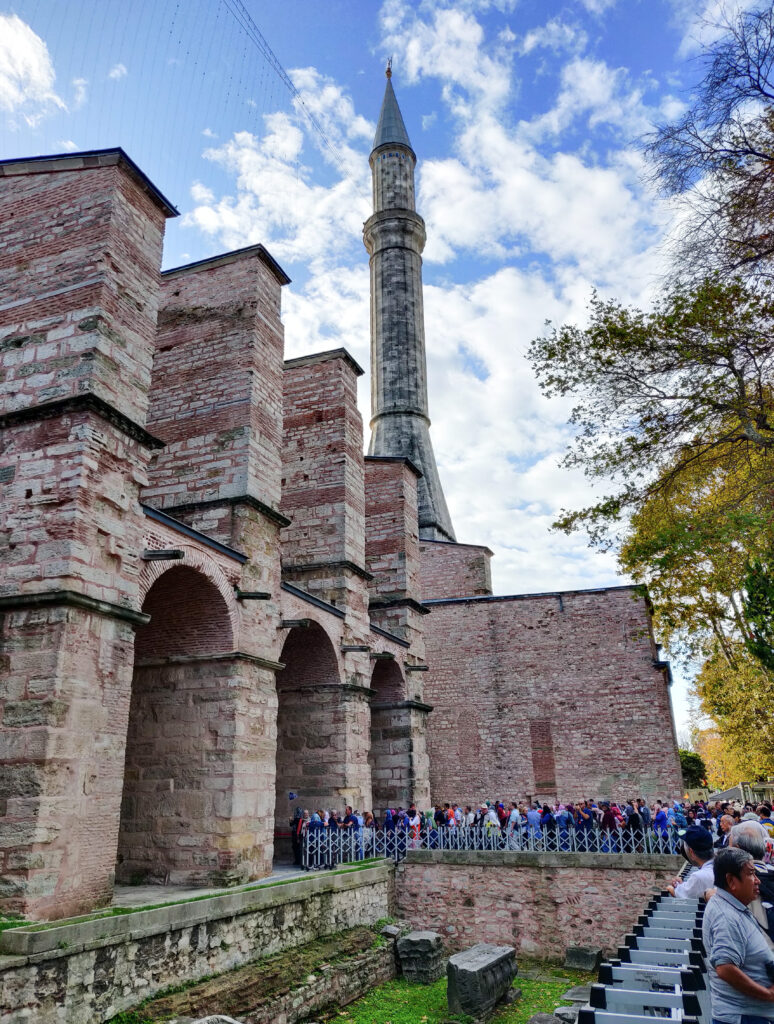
[[548, 696]]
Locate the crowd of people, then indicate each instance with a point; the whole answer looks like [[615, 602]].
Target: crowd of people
[[606, 826], [551, 826]]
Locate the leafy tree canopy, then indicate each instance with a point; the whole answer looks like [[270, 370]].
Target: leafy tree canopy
[[739, 697], [693, 768], [758, 608], [659, 392]]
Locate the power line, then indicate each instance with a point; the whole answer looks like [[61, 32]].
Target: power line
[[245, 21]]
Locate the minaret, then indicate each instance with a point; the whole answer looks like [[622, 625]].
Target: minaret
[[395, 237]]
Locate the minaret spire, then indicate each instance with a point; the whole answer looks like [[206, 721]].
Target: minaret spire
[[395, 237]]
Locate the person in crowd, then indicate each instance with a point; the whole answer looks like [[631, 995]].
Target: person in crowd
[[644, 811], [741, 965], [696, 847], [470, 816], [752, 837], [725, 824], [533, 823], [316, 830], [660, 823], [764, 816]]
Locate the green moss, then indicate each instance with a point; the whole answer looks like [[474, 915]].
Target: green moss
[[121, 911]]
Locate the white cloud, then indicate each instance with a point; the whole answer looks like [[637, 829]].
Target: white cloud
[[68, 145], [704, 21], [556, 35], [597, 6], [26, 74], [117, 71], [276, 201], [80, 86], [209, 133]]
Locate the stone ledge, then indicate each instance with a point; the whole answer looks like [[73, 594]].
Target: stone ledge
[[527, 859], [66, 939]]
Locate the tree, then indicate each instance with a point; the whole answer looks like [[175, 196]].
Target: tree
[[724, 768], [739, 697], [693, 768], [660, 392], [758, 608], [718, 156]]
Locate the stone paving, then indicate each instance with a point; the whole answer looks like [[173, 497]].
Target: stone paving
[[153, 895]]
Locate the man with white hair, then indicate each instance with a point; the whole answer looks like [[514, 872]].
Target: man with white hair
[[752, 837]]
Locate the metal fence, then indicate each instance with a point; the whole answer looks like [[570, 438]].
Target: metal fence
[[324, 847]]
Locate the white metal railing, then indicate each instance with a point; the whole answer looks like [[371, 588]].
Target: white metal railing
[[324, 847]]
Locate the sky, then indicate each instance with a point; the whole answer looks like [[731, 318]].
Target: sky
[[525, 116]]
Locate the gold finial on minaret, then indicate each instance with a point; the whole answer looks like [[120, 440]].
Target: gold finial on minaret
[[388, 72]]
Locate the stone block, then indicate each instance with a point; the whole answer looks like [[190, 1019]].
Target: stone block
[[421, 956], [583, 958], [479, 977], [578, 994]]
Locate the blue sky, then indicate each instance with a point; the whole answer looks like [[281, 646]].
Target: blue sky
[[525, 116]]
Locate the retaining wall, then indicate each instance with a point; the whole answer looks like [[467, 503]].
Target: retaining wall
[[541, 903], [87, 972]]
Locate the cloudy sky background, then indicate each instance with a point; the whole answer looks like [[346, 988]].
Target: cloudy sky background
[[525, 116]]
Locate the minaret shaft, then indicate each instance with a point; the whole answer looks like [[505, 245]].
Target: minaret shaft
[[395, 237]]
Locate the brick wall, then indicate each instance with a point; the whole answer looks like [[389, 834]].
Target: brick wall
[[198, 781], [539, 903], [454, 570], [81, 246], [323, 549], [217, 381], [550, 696]]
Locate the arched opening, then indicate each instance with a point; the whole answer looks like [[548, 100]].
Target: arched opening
[[311, 730], [391, 741], [181, 730]]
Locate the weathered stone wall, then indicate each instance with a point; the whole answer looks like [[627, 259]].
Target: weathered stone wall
[[454, 570], [546, 696], [217, 381], [541, 903], [323, 488], [77, 326], [86, 973]]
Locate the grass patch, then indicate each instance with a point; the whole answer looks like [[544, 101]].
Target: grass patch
[[398, 1002], [100, 915], [12, 921]]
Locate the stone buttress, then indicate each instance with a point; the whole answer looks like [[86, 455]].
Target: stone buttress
[[77, 324]]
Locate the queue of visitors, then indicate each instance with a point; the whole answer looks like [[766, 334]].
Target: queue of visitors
[[587, 825]]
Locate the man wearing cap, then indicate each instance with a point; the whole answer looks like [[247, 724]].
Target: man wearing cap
[[697, 850]]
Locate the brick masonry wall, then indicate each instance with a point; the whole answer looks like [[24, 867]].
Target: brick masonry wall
[[81, 247], [199, 773], [92, 972], [217, 382], [79, 301], [554, 696], [539, 903], [454, 570]]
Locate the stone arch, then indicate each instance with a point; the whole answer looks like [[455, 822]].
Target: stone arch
[[189, 617], [390, 750], [311, 725], [387, 682], [197, 561], [181, 726]]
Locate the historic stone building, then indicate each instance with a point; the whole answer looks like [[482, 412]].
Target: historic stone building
[[210, 599]]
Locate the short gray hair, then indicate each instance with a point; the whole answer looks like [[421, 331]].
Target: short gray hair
[[750, 836], [729, 862]]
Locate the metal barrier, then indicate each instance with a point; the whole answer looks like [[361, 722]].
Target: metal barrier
[[324, 847]]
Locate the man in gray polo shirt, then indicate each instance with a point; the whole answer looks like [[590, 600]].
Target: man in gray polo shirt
[[741, 970]]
